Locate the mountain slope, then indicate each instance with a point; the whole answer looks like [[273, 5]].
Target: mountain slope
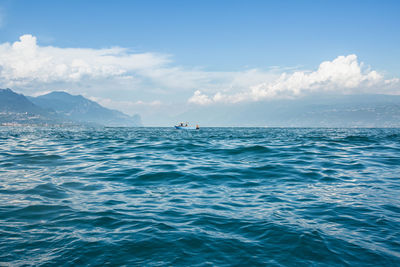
[[17, 109], [13, 102], [81, 109]]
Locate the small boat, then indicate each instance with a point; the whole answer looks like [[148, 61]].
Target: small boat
[[185, 126]]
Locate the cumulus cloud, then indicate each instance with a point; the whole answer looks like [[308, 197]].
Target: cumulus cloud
[[24, 62], [199, 98], [341, 75]]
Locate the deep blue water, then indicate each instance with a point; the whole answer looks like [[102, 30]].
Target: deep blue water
[[218, 196]]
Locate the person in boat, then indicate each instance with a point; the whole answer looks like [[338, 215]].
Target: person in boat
[[181, 124]]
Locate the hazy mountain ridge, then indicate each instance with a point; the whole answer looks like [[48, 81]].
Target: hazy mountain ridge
[[59, 108], [13, 102], [81, 109], [17, 109], [312, 111]]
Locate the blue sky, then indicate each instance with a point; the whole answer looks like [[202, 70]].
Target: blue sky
[[218, 35], [237, 49]]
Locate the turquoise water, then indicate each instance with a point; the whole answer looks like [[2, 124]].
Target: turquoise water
[[214, 197]]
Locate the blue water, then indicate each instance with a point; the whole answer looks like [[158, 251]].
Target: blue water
[[214, 197]]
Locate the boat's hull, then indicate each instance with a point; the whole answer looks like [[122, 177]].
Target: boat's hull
[[185, 128]]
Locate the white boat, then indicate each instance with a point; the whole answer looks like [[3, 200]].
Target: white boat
[[185, 126]]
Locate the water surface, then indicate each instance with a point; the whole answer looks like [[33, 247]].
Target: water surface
[[218, 196]]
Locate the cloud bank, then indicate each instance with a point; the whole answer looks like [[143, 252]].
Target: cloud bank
[[25, 62], [341, 75]]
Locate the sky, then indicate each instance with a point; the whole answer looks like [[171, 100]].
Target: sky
[[159, 57]]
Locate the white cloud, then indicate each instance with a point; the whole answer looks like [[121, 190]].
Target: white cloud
[[342, 75], [199, 98], [25, 62]]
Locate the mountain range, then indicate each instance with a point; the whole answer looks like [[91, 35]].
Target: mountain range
[[59, 108]]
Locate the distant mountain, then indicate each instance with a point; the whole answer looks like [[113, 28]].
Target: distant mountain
[[59, 108], [13, 102], [17, 109], [311, 111], [81, 109]]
